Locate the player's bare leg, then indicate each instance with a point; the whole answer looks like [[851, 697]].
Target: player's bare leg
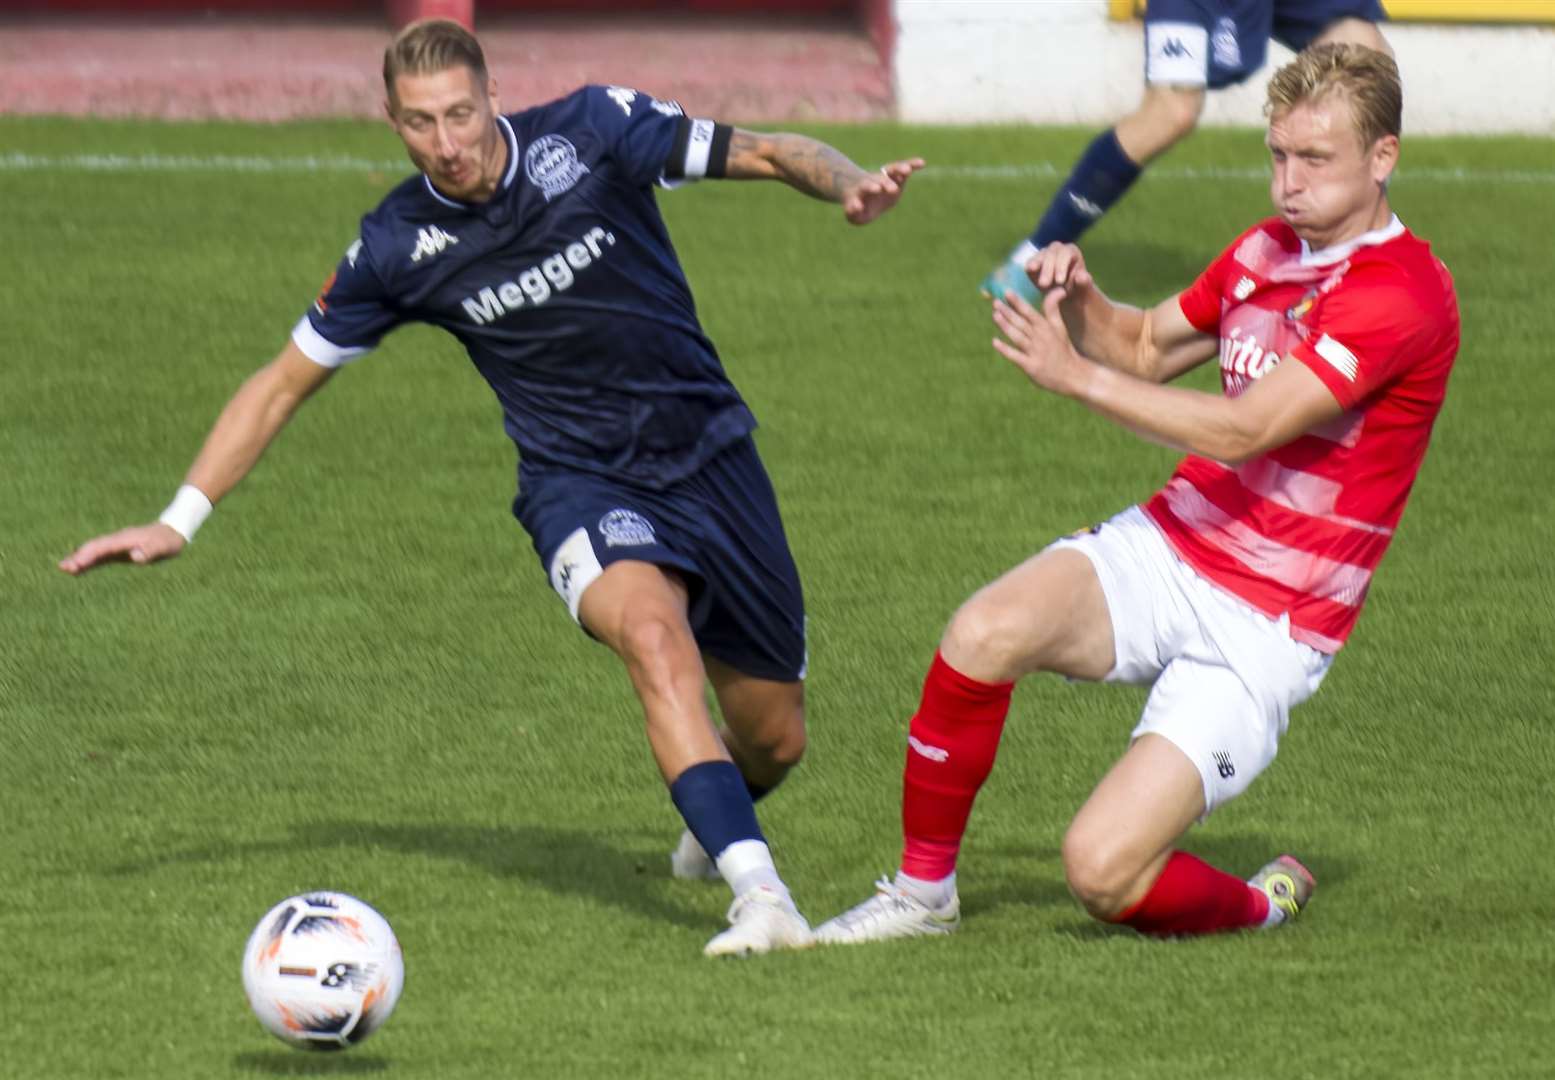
[[1121, 863], [1122, 837], [1355, 32], [1164, 117], [764, 732], [640, 611], [1048, 614], [1106, 170]]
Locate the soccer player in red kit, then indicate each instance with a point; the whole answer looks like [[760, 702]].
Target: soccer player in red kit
[[1230, 590]]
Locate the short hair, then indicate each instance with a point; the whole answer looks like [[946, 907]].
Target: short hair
[[1366, 78], [432, 45]]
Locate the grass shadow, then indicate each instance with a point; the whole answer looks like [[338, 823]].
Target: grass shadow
[[567, 862], [1037, 879], [307, 1063]]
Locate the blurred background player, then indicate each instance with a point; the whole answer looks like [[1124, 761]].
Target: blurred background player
[[534, 239], [1229, 591], [1190, 46]]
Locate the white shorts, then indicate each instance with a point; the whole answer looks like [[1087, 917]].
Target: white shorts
[[1225, 675]]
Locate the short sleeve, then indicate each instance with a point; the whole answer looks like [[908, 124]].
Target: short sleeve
[[351, 314], [1201, 302], [653, 141], [1364, 334]]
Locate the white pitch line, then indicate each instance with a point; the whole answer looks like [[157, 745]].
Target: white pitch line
[[1036, 170]]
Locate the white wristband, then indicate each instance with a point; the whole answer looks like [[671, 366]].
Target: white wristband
[[187, 512]]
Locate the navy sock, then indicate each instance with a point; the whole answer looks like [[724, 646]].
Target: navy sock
[[1101, 176], [712, 798]]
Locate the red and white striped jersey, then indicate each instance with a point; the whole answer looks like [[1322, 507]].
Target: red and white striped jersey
[[1301, 529]]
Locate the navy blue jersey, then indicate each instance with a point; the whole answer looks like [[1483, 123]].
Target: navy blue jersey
[[564, 288]]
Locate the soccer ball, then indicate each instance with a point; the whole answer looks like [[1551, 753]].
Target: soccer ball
[[322, 970]]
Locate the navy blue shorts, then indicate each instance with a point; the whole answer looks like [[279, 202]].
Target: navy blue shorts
[[719, 527], [1216, 43]]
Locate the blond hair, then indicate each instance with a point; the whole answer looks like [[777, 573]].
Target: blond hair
[[1367, 79], [428, 46]]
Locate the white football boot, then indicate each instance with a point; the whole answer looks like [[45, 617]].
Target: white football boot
[[761, 920], [892, 912], [690, 862]]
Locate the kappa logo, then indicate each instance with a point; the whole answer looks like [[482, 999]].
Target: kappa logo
[[668, 108], [430, 241], [923, 749], [625, 528], [1085, 206], [1244, 288], [552, 165], [1223, 764], [623, 97]]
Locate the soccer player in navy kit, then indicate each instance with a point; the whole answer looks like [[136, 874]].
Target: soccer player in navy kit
[[1190, 46], [534, 238]]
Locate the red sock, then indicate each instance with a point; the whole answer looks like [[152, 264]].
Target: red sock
[[951, 744], [1192, 897]]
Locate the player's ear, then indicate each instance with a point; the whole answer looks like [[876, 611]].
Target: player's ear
[[1384, 157], [492, 96]]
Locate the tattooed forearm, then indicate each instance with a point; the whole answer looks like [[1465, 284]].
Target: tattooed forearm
[[803, 163]]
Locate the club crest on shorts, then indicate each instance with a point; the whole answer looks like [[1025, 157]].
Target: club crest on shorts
[[625, 528], [552, 165]]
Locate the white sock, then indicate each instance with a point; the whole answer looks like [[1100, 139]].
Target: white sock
[[746, 865], [1024, 252], [934, 894], [1275, 917]]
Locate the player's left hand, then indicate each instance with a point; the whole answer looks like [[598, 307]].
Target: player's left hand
[[1038, 341], [877, 192]]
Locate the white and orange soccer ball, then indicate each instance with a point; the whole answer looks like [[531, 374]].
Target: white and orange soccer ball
[[323, 970]]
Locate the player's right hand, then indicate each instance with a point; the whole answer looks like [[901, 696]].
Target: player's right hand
[[140, 544], [1059, 266]]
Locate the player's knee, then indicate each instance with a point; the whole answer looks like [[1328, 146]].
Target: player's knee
[[992, 640], [780, 745], [1355, 32], [1173, 111], [1101, 878], [655, 646]]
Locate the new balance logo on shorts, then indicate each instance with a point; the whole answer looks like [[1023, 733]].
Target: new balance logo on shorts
[[1223, 765], [1175, 47]]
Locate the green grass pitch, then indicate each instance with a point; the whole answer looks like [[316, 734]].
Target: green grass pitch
[[358, 678]]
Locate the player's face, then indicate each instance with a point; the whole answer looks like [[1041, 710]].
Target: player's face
[[1327, 185], [449, 125]]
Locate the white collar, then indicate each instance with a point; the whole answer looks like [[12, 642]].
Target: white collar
[[1338, 252]]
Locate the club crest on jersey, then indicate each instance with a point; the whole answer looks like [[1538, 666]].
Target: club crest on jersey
[[552, 165], [625, 528], [431, 241], [1301, 307]]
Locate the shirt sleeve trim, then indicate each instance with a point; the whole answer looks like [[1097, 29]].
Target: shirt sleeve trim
[[701, 149], [318, 348], [1332, 377]]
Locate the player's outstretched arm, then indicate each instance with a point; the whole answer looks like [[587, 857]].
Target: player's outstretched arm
[[1157, 344], [1286, 403], [251, 419], [818, 170]]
